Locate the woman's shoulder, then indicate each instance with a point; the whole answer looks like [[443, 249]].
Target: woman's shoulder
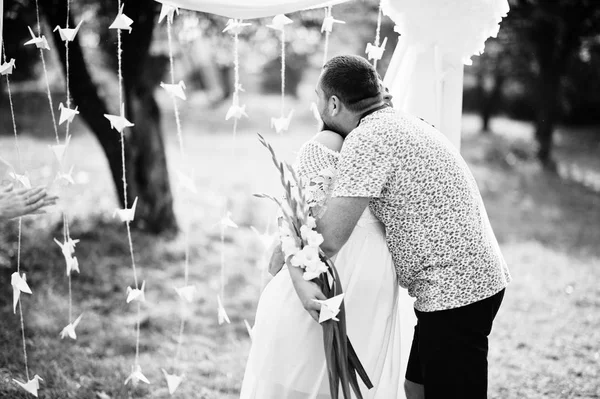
[[329, 139]]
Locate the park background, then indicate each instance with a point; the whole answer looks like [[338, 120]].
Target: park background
[[530, 135]]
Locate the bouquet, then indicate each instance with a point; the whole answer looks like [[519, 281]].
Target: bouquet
[[301, 246]]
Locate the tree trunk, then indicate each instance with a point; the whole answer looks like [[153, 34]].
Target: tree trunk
[[492, 100], [146, 159], [548, 92], [147, 174]]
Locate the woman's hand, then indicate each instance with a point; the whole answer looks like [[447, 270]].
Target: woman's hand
[[21, 202], [308, 292]]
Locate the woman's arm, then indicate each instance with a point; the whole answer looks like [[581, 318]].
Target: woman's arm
[[17, 203]]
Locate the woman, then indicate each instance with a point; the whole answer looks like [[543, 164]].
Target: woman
[[287, 359]]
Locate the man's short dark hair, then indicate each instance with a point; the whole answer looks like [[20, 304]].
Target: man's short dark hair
[[353, 80]]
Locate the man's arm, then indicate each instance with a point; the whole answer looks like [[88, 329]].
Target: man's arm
[[335, 226], [339, 221]]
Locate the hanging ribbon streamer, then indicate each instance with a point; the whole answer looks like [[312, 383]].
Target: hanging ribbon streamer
[[186, 182], [66, 116], [126, 215], [18, 280], [282, 123], [375, 50]]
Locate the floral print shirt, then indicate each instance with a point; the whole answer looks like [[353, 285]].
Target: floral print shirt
[[437, 228]]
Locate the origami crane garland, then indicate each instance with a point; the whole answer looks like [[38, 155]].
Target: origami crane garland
[[282, 123], [18, 280], [375, 50], [236, 111], [186, 182]]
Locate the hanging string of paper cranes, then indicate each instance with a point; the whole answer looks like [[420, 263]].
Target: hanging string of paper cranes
[[185, 176]]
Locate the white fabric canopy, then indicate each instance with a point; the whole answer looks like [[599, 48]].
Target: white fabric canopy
[[248, 9], [425, 74]]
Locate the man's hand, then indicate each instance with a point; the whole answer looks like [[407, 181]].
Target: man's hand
[[307, 291], [17, 203]]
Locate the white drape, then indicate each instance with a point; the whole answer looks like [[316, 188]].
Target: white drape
[[248, 9], [427, 84], [438, 36]]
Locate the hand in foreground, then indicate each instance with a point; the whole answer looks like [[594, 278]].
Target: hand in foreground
[[21, 202], [307, 291]]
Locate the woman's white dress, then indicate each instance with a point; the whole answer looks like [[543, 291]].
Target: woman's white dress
[[286, 360]]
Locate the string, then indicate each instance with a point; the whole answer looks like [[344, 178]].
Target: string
[[282, 71], [20, 233], [222, 290], [184, 159], [327, 33], [39, 28], [236, 73], [23, 331], [126, 205], [378, 32]]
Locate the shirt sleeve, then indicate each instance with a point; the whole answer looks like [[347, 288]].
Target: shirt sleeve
[[365, 165]]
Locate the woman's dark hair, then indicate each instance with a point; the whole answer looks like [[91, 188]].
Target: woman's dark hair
[[353, 80]]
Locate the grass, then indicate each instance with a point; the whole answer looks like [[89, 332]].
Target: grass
[[544, 343]]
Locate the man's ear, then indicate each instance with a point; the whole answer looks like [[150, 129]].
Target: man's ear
[[334, 105]]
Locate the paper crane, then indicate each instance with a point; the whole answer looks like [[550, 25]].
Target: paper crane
[[221, 312], [6, 68], [169, 12], [40, 42], [187, 293], [173, 381], [375, 52], [23, 179], [330, 308], [249, 329], [265, 238], [176, 90], [118, 122], [68, 249], [126, 215], [186, 182], [19, 285], [279, 21], [122, 21], [66, 178], [329, 21], [32, 385], [282, 123], [227, 222], [235, 111], [59, 149], [66, 114], [235, 26], [136, 376], [136, 294], [68, 34], [69, 330]]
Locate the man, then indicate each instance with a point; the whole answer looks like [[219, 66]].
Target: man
[[437, 229]]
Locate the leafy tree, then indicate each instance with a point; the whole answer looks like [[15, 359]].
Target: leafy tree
[[548, 34]]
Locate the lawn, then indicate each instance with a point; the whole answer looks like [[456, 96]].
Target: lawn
[[545, 343]]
